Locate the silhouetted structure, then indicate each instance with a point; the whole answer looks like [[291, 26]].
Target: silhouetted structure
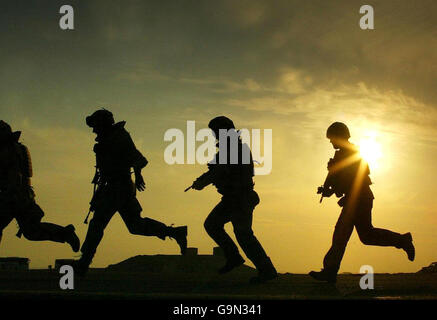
[[114, 190], [217, 251], [191, 263], [432, 268], [233, 180], [14, 264], [17, 198], [62, 262], [191, 252], [348, 178]]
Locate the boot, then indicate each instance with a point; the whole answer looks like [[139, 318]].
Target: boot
[[265, 273], [71, 238], [81, 266], [324, 275], [408, 246], [180, 235], [231, 264]]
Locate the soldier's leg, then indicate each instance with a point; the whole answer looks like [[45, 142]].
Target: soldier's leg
[[146, 227], [131, 215], [241, 219], [29, 221], [214, 226], [94, 235], [370, 235], [342, 232]]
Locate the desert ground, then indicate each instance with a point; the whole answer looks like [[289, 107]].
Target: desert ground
[[108, 284]]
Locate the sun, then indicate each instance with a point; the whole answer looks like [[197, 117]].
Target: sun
[[370, 149]]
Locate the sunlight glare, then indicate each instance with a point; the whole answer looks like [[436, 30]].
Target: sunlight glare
[[370, 149]]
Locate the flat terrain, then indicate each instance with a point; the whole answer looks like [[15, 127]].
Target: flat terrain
[[106, 284]]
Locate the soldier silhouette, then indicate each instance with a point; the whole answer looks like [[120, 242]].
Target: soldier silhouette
[[116, 154], [231, 172], [17, 198], [348, 178]]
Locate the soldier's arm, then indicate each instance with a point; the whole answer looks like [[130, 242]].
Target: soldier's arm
[[203, 181], [137, 162], [135, 157], [327, 189], [216, 172]]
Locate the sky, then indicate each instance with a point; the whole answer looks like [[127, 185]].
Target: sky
[[290, 66]]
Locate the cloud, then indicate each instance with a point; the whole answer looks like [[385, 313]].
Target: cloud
[[316, 106]]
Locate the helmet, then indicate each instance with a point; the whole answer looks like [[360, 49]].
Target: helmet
[[338, 130], [100, 118], [6, 133], [5, 129], [221, 122]]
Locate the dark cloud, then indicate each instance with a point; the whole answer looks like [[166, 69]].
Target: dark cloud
[[209, 51]]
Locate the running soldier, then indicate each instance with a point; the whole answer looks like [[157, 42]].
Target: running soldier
[[348, 178], [116, 154], [232, 176], [17, 198]]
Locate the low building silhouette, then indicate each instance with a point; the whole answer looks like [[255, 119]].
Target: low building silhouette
[[61, 262], [218, 252], [14, 263], [191, 262], [432, 268], [191, 252]]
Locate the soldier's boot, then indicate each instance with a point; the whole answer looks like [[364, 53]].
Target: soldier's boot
[[81, 266], [266, 272], [49, 231], [326, 275], [231, 263], [71, 238], [408, 247], [180, 235]]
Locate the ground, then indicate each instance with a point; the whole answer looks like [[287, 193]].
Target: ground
[[106, 284]]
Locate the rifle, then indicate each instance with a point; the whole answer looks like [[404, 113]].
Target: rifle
[[95, 182], [321, 190], [204, 180]]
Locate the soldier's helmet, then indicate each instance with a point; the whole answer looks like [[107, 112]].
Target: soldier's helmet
[[100, 118], [6, 133], [338, 130], [221, 122], [5, 129]]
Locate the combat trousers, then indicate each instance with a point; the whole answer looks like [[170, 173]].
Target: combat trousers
[[237, 209], [28, 215], [121, 198], [357, 215]]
